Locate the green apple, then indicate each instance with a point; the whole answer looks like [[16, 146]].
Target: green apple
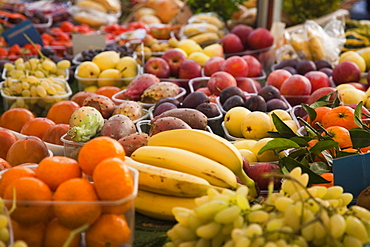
[[87, 70], [266, 156], [256, 124], [199, 57], [233, 120], [128, 67], [109, 77], [106, 59]]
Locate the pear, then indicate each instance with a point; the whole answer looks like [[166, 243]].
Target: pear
[[127, 66], [87, 70], [106, 59], [199, 57], [109, 77]]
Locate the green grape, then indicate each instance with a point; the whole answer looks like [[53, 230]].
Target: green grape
[[291, 218], [333, 192], [195, 221], [350, 241], [238, 222], [33, 63], [242, 201], [27, 65], [337, 225], [25, 85], [202, 242], [19, 73], [2, 244], [32, 79], [253, 230], [218, 240], [61, 73], [355, 228], [226, 229], [184, 233], [227, 215], [209, 230], [281, 243], [4, 234], [19, 60], [270, 244], [282, 203], [308, 231], [39, 74], [347, 199], [9, 66], [26, 93], [49, 65], [182, 215], [209, 209], [274, 224], [33, 91], [18, 88], [64, 64], [259, 241], [258, 216], [360, 212], [188, 244], [41, 91], [20, 66], [171, 233]]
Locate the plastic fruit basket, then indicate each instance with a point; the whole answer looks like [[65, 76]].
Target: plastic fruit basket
[[125, 205], [144, 127], [38, 105], [4, 74]]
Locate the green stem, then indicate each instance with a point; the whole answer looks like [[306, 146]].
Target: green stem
[[74, 233]]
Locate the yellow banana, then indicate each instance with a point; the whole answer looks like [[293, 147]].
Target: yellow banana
[[208, 145], [206, 18], [110, 5], [205, 38], [185, 161], [92, 4], [160, 206], [168, 182], [192, 29]]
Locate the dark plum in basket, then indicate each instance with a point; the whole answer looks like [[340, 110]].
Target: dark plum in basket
[[230, 91], [193, 99]]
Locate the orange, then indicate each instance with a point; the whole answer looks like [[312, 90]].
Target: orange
[[7, 138], [98, 149], [4, 164], [79, 203], [15, 118], [37, 127], [343, 116], [340, 135], [56, 170], [56, 235], [61, 111], [109, 230], [320, 112], [113, 181], [108, 91], [29, 190], [54, 133], [13, 174], [328, 176], [33, 235]]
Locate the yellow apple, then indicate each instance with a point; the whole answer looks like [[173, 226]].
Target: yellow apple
[[353, 56], [344, 86], [233, 120], [106, 59], [88, 70], [266, 156], [365, 54], [199, 57], [352, 96], [291, 124], [214, 50], [249, 155], [109, 77], [244, 144], [127, 66], [282, 114], [256, 124], [189, 46]]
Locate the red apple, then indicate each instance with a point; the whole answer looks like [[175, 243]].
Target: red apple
[[254, 66], [258, 171], [277, 77], [204, 90], [219, 81], [158, 67], [247, 85], [296, 89], [236, 66], [231, 43], [318, 79], [242, 31], [260, 38], [359, 85], [346, 71], [321, 92], [190, 69], [174, 58], [213, 65]]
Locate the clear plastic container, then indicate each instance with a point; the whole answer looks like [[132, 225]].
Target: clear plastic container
[[38, 105], [127, 203], [71, 148], [4, 74], [119, 98], [144, 127]]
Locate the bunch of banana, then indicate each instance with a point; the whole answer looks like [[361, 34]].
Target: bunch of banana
[[175, 169], [204, 29], [105, 6]]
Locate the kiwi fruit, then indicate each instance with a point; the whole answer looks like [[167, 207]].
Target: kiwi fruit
[[363, 198]]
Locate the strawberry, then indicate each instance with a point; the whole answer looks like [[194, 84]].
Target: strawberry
[[67, 26], [14, 49]]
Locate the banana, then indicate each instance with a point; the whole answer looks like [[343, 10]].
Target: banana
[[192, 29], [160, 206], [92, 4], [198, 18], [205, 38], [110, 5], [208, 145], [185, 161], [168, 182]]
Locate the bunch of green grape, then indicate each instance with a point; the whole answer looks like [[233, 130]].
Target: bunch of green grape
[[295, 216], [38, 67]]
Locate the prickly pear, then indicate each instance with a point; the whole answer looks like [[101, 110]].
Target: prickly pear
[[85, 123], [137, 86], [133, 141], [118, 126], [194, 118], [130, 108], [102, 103], [167, 123], [160, 90]]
